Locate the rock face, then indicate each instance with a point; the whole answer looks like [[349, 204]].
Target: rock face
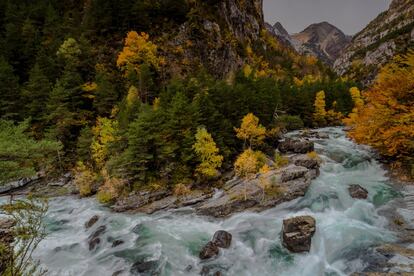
[[221, 239], [6, 239], [212, 26], [280, 33], [389, 34], [358, 192], [322, 40], [297, 233], [296, 146]]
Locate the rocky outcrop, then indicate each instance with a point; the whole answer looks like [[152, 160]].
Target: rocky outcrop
[[221, 239], [389, 34], [296, 146], [322, 40], [358, 192], [297, 233], [282, 185], [6, 239], [18, 184]]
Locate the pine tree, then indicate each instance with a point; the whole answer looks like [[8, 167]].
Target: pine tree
[[10, 100], [35, 93]]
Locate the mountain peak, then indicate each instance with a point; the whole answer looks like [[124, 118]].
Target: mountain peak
[[322, 40]]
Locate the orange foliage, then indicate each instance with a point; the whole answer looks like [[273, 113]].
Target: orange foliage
[[387, 120]]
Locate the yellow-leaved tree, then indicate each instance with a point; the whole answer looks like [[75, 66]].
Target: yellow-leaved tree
[[104, 133], [358, 106], [246, 167], [250, 131], [386, 121], [319, 115], [138, 50], [208, 153], [138, 58]]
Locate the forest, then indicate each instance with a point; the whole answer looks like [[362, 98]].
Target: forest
[[100, 98]]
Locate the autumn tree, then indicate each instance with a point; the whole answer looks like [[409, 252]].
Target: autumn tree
[[320, 112], [137, 58], [250, 131], [246, 167], [208, 153], [358, 106], [104, 133], [386, 121]]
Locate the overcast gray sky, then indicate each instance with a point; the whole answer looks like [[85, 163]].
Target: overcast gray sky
[[350, 16]]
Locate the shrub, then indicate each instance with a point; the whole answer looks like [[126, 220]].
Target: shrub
[[181, 190], [280, 161]]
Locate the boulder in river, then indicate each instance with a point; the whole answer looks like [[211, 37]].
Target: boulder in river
[[143, 267], [94, 239], [296, 146], [358, 192], [209, 251], [297, 233], [91, 221], [222, 239]]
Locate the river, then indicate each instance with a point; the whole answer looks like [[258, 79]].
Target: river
[[171, 240]]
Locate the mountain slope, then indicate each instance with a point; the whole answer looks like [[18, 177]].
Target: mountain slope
[[322, 40], [391, 33]]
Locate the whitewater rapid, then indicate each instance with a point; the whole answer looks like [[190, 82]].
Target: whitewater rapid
[[346, 228]]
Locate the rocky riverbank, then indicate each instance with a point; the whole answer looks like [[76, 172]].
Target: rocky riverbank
[[264, 191]]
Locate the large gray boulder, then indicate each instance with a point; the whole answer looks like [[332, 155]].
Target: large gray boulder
[[221, 239], [296, 146], [297, 233]]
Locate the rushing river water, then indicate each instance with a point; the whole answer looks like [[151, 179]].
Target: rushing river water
[[346, 228]]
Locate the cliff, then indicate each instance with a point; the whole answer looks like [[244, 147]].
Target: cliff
[[391, 33]]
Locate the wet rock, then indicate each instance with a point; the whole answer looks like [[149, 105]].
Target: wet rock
[[304, 160], [117, 273], [207, 271], [93, 243], [94, 240], [145, 267], [116, 243], [136, 201], [297, 233], [11, 186], [239, 195], [189, 268], [358, 192], [222, 239], [91, 222], [292, 173], [296, 146], [209, 251]]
